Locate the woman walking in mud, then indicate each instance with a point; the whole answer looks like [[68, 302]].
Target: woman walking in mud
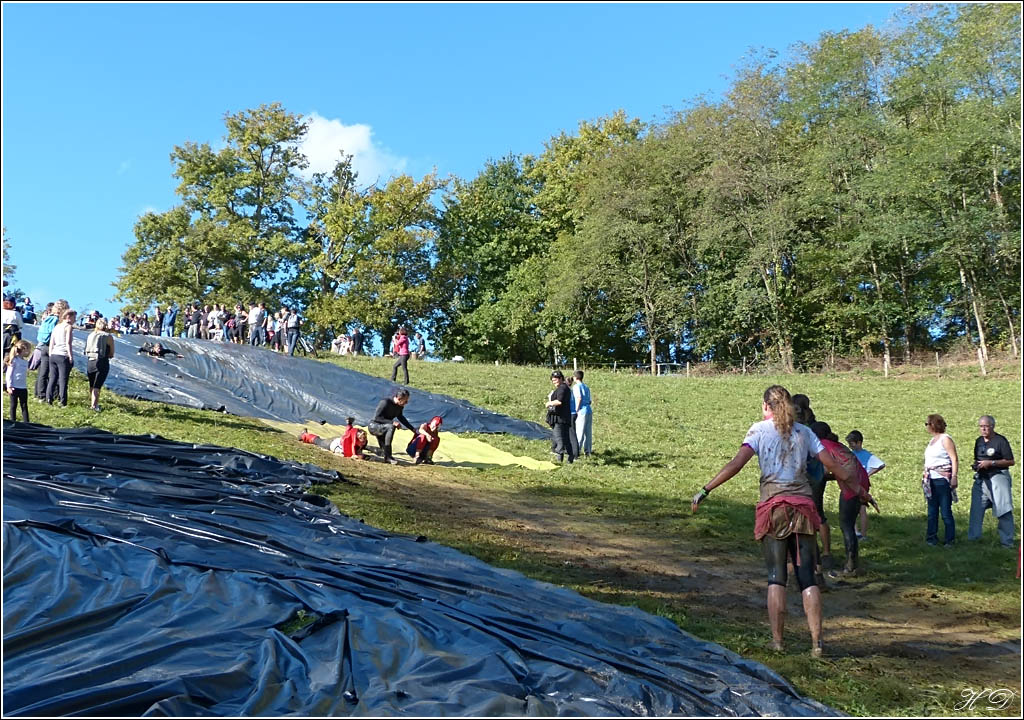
[[786, 517]]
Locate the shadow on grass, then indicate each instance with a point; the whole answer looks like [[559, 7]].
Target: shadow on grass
[[625, 458], [206, 417]]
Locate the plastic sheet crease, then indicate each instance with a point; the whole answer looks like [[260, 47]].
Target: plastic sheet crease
[[148, 577]]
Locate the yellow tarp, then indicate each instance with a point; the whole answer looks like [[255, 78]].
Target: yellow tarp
[[454, 451]]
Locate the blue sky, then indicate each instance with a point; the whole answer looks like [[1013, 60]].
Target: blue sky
[[96, 96]]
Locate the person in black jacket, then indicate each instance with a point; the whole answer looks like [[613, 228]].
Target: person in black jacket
[[561, 405], [387, 419]]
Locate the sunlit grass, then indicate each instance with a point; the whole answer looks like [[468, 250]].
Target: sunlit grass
[[657, 441]]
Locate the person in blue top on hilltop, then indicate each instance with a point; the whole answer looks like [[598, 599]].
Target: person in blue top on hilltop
[[584, 414], [51, 316], [169, 317], [28, 311]]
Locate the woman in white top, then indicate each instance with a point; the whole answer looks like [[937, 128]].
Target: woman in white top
[[939, 481], [786, 516], [61, 359]]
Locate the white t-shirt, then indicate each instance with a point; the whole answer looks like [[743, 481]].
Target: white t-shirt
[[13, 317], [783, 462], [935, 455], [870, 462]]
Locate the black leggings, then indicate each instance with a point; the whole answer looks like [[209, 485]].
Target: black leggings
[[57, 384], [401, 362], [800, 549], [97, 372], [562, 436], [385, 435], [848, 512], [20, 395], [44, 370]]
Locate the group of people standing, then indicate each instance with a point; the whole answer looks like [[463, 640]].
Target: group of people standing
[[992, 488], [570, 415], [53, 358], [254, 326], [789, 513]]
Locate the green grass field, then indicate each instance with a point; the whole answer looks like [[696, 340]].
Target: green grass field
[[921, 627]]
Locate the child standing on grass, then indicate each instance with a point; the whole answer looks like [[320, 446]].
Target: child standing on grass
[[17, 378], [872, 464]]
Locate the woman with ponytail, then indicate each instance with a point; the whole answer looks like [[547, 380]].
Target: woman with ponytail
[[785, 517]]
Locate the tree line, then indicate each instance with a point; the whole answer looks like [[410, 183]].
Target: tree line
[[861, 195]]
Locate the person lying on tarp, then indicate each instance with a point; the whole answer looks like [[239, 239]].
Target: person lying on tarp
[[158, 350], [386, 420], [426, 441], [350, 444]]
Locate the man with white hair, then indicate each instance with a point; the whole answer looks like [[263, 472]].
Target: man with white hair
[[992, 485]]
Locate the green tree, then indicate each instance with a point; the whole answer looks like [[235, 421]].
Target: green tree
[[488, 228], [232, 235]]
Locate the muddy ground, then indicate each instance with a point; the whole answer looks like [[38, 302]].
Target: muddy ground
[[863, 617]]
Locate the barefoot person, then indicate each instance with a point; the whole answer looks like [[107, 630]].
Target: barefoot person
[[851, 497], [786, 517], [99, 349]]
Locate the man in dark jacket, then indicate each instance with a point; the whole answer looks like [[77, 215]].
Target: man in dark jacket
[[386, 419], [560, 403]]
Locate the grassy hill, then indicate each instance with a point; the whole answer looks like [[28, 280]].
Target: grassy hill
[[921, 627]]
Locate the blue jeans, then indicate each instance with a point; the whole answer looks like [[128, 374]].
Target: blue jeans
[[941, 501], [981, 500], [293, 337]]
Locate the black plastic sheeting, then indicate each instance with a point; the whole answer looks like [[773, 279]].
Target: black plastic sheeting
[[255, 382], [148, 577]]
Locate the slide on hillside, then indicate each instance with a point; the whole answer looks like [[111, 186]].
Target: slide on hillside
[[255, 382]]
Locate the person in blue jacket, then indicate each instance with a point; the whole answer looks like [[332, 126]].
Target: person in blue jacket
[[169, 317], [51, 315]]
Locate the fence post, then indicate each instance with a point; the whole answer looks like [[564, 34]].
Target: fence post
[[687, 368], [744, 364], [574, 368], [615, 365], [936, 358]]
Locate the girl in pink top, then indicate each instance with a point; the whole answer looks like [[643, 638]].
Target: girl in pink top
[[402, 353]]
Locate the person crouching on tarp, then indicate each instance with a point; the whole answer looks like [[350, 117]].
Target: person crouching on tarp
[[350, 444], [386, 420], [426, 441]]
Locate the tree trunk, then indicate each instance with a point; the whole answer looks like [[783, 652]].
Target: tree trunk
[[1009, 324], [654, 355], [886, 355], [972, 296]]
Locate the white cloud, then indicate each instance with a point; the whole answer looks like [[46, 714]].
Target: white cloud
[[326, 139]]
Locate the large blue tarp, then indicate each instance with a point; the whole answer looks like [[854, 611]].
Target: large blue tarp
[[149, 577], [255, 382]]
